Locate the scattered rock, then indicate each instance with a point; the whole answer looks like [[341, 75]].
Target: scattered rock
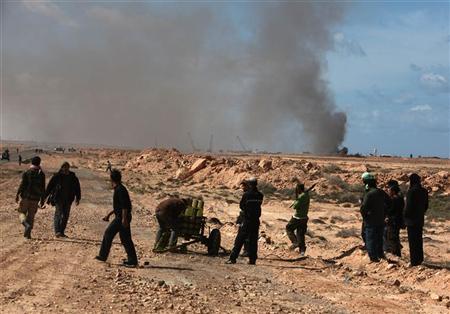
[[435, 297]]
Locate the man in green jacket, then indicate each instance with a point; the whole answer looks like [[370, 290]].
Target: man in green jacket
[[297, 226]]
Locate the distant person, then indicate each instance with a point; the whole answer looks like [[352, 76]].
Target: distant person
[[240, 221], [120, 224], [297, 226], [62, 190], [415, 209], [394, 219], [20, 160], [167, 214], [373, 211], [250, 204], [31, 191], [108, 166]]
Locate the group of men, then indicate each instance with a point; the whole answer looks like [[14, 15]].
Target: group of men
[[62, 189], [384, 214]]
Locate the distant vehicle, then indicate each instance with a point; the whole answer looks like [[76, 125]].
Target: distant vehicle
[[5, 155], [60, 149]]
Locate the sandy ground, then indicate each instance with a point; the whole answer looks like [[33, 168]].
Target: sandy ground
[[47, 274]]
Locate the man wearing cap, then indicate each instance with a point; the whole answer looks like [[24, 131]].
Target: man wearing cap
[[62, 190], [251, 206], [297, 226], [373, 211], [394, 219], [30, 192], [415, 209]]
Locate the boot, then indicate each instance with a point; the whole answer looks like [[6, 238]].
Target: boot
[[27, 231]]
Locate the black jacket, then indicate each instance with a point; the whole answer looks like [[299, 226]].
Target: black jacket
[[251, 205], [374, 206], [67, 188], [32, 186], [395, 212], [121, 200], [416, 205]]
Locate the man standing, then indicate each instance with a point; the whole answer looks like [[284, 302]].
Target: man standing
[[20, 160], [31, 191], [251, 206], [63, 189], [167, 214], [394, 220], [372, 211], [415, 209], [120, 224], [297, 226], [108, 166]]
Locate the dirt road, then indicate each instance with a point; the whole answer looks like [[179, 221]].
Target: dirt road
[[47, 274]]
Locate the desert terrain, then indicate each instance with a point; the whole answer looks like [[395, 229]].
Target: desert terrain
[[54, 275]]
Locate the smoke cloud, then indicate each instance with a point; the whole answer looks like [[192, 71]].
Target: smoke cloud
[[140, 74]]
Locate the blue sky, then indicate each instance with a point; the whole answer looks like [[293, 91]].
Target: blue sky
[[390, 73], [389, 69]]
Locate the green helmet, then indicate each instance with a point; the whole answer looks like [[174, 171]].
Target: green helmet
[[367, 176]]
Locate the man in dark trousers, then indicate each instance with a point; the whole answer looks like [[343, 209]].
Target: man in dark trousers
[[415, 209], [394, 219], [251, 206], [20, 160], [373, 211], [30, 192], [120, 223], [62, 190], [167, 214], [297, 226]]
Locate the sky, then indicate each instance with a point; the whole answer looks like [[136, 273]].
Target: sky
[[390, 73], [385, 65]]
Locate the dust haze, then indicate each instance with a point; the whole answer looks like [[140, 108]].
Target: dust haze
[[140, 75]]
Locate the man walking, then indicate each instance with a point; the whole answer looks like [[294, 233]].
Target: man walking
[[415, 209], [167, 214], [297, 226], [108, 166], [394, 220], [30, 192], [372, 211], [251, 206], [120, 224], [62, 190]]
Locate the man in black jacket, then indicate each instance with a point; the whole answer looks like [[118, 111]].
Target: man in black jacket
[[30, 192], [416, 206], [251, 206], [120, 224], [394, 219], [63, 189], [373, 210]]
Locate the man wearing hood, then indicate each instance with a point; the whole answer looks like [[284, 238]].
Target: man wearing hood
[[415, 208], [394, 219], [63, 189], [30, 192]]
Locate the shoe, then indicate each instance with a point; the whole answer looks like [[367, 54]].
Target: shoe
[[58, 235], [230, 261], [374, 260], [27, 231], [302, 253], [129, 264], [99, 258], [63, 235], [252, 262]]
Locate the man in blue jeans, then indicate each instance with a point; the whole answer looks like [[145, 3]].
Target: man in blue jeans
[[373, 211], [63, 189]]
